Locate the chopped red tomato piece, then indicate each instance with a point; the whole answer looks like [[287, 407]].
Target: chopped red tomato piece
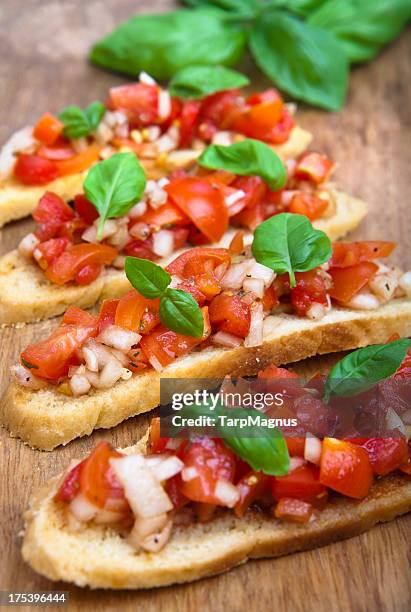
[[261, 117], [314, 167], [252, 486], [295, 510], [173, 490], [202, 203], [309, 205], [270, 298], [65, 268], [190, 287], [150, 319], [218, 111], [237, 243], [52, 209], [208, 285], [47, 129], [79, 162], [273, 371], [254, 187], [195, 261], [347, 282], [345, 468], [295, 446], [167, 214], [59, 151], [347, 254], [141, 248], [85, 209], [51, 249], [139, 101], [77, 316], [70, 485], [97, 480], [281, 132], [302, 483], [212, 461], [386, 454], [310, 288], [130, 310], [88, 274], [188, 120], [35, 170], [107, 315], [230, 314]]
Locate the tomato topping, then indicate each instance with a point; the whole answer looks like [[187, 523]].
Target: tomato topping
[[130, 310], [202, 203], [188, 120], [237, 243], [345, 468], [310, 288], [79, 162], [230, 314], [167, 214], [218, 111], [254, 188], [162, 346], [261, 117], [190, 287], [252, 486], [347, 254], [85, 209], [302, 483], [295, 446], [141, 248], [314, 167], [59, 151], [70, 485], [208, 285], [406, 467], [66, 267], [295, 510], [97, 480], [47, 129], [52, 210], [77, 316], [195, 261], [270, 299], [213, 461], [273, 371], [386, 454], [138, 101], [309, 205], [347, 282], [88, 274], [107, 314], [172, 488], [51, 249], [35, 170]]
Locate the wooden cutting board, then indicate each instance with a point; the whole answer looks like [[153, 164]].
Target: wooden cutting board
[[43, 46]]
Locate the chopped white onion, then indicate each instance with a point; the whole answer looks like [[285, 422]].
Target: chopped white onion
[[22, 140], [107, 517], [256, 285], [364, 300], [405, 283], [110, 374], [119, 338], [156, 364], [182, 158], [222, 338], [167, 468], [168, 141], [226, 493], [235, 275], [153, 542], [316, 311], [234, 197], [164, 104], [189, 473], [223, 137], [137, 210], [144, 527], [25, 378], [146, 78], [312, 449], [139, 230], [296, 462], [79, 385], [28, 244], [119, 262], [255, 335], [90, 357], [82, 509], [163, 243], [258, 270]]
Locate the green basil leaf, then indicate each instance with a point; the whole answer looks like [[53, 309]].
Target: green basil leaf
[[78, 122], [266, 451], [242, 7], [163, 44], [180, 312], [305, 61], [147, 277], [363, 27], [301, 7], [363, 368], [114, 185], [200, 81], [289, 243], [248, 158]]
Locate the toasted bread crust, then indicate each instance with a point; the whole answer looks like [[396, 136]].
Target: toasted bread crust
[[44, 419], [98, 557], [27, 296]]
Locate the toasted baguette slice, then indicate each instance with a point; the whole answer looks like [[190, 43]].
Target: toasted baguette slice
[[100, 558], [18, 200], [45, 418], [27, 296]]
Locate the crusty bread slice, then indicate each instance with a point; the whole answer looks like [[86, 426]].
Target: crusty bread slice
[[18, 201], [100, 558], [44, 418], [27, 296]]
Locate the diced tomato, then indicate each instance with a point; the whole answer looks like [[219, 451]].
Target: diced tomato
[[270, 299], [79, 162], [347, 282], [141, 248], [35, 170], [309, 205], [347, 254], [139, 101], [52, 211], [70, 485], [51, 249], [85, 209], [59, 151], [162, 346], [208, 285], [51, 358], [77, 316], [130, 310], [237, 243], [72, 229], [345, 468], [149, 320], [88, 274], [310, 288], [252, 486], [107, 314], [217, 177], [386, 454], [302, 483], [65, 268], [190, 287], [314, 167], [262, 116], [219, 110], [295, 510], [404, 371], [254, 187], [173, 489], [273, 371], [155, 443], [250, 217], [167, 214], [195, 261], [230, 314], [47, 129], [213, 461], [180, 235], [202, 203], [97, 484], [188, 120], [295, 446]]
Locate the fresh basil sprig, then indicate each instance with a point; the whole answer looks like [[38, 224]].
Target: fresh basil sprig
[[363, 368], [78, 122], [114, 185], [199, 81], [178, 309], [248, 158], [288, 243]]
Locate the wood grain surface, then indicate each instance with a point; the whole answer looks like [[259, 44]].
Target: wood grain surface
[[43, 47]]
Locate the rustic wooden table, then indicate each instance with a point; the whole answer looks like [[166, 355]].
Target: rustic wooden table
[[43, 46]]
